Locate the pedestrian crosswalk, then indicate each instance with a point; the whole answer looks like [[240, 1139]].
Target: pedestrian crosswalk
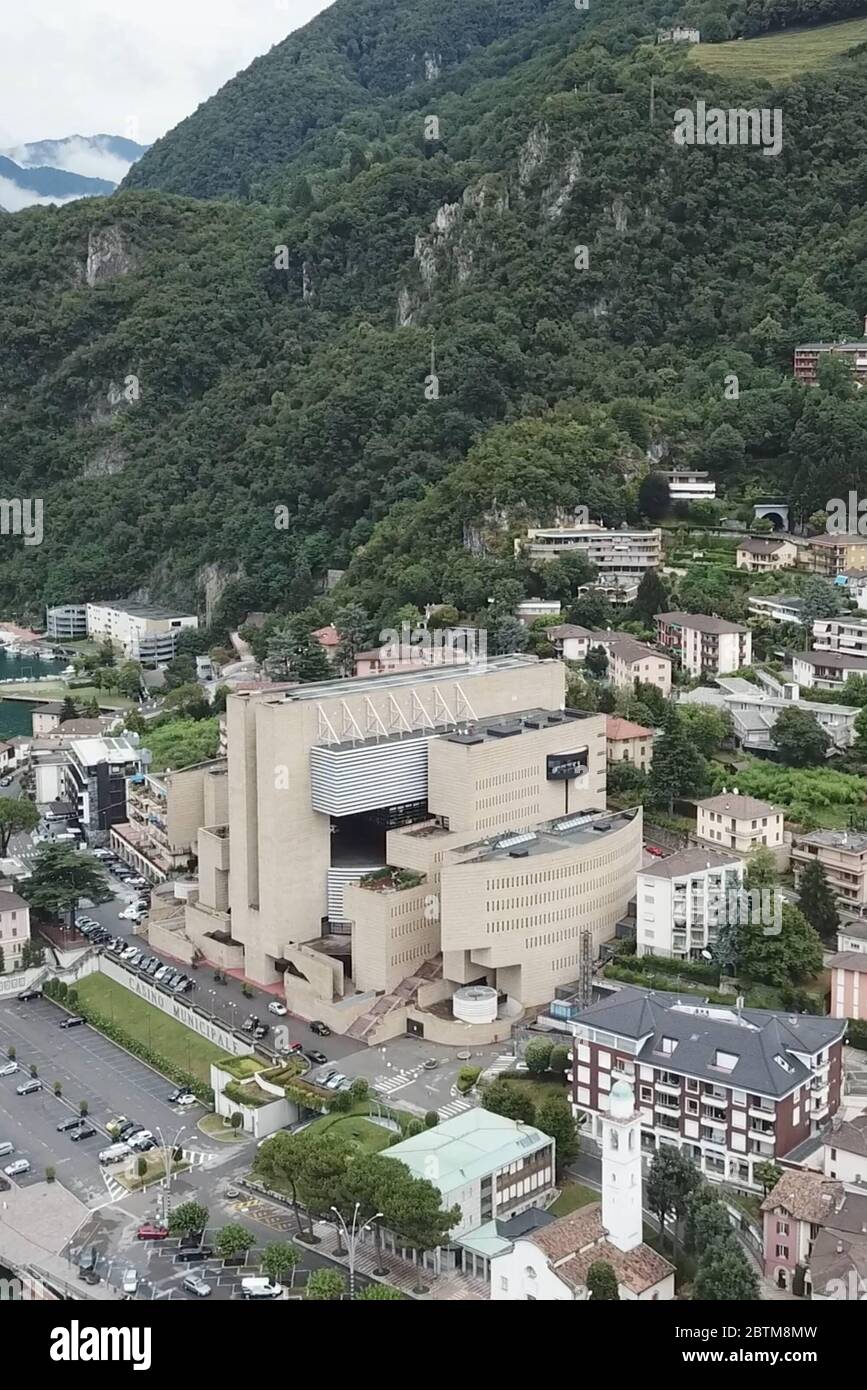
[[395, 1081], [454, 1107]]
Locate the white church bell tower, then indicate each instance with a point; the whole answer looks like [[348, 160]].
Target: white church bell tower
[[621, 1169]]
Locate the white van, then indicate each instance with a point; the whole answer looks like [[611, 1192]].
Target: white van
[[114, 1154], [260, 1288]]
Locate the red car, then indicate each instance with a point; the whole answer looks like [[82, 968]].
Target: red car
[[150, 1231], [657, 853]]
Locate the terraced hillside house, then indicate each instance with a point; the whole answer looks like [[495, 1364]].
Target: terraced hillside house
[[419, 850], [731, 1087], [762, 555]]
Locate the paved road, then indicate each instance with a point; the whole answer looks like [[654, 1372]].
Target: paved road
[[90, 1068], [225, 1001]]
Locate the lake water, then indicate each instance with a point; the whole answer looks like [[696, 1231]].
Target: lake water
[[15, 714]]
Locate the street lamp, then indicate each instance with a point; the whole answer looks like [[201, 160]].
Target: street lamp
[[352, 1235], [168, 1158]]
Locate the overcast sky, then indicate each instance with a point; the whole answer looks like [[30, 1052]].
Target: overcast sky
[[126, 67]]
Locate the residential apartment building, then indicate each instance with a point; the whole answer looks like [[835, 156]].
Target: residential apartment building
[[844, 1150], [841, 635], [570, 641], [730, 1087], [688, 484], [808, 355], [762, 555], [834, 554], [851, 934], [739, 823], [826, 670], [681, 901], [754, 709], [396, 840], [139, 631], [776, 608], [66, 622], [848, 984], [14, 929], [95, 778], [165, 812], [704, 645], [617, 554], [854, 583], [628, 743], [843, 856], [532, 608], [630, 661], [46, 717]]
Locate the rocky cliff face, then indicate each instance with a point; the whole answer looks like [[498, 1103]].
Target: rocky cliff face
[[107, 255]]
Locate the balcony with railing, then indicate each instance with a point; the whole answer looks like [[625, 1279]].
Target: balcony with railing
[[764, 1148], [762, 1110], [709, 1117], [711, 1136], [718, 1099], [668, 1081]]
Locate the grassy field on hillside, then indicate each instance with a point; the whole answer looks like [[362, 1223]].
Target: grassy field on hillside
[[781, 55]]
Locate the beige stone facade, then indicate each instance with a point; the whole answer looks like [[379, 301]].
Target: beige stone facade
[[843, 856], [367, 819]]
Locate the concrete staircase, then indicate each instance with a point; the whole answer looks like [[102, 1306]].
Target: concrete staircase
[[400, 997]]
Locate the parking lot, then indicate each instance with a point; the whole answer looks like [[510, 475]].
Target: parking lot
[[89, 1068]]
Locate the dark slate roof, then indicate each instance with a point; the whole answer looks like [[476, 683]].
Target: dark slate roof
[[531, 1220], [755, 1036]]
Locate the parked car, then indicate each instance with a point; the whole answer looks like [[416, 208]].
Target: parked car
[[27, 994], [72, 1123], [125, 1130], [249, 1024], [136, 881], [163, 972], [84, 1131], [8, 1069], [72, 1022], [186, 1099], [196, 1255], [27, 1088], [321, 1029], [430, 1063], [336, 1081], [151, 1231], [175, 1096], [317, 1058], [87, 1258], [18, 1168], [89, 1276], [128, 914], [130, 1282], [261, 1031], [196, 1285], [130, 951], [277, 1008], [655, 851], [5, 781]]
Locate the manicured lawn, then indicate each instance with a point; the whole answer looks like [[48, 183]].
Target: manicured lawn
[[358, 1131], [781, 55], [58, 690], [573, 1196], [165, 1035]]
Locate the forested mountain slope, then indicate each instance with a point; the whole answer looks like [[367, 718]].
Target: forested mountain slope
[[170, 374]]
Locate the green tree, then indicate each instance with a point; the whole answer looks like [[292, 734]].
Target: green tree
[[799, 738], [817, 901], [236, 1120], [325, 1285], [359, 1090], [188, 1219], [504, 1098], [671, 1180], [768, 1174], [17, 817], [652, 598], [431, 1119], [678, 769], [354, 626], [819, 599], [554, 1117], [234, 1239], [560, 1059], [706, 1220], [725, 1275], [761, 869], [61, 877], [33, 954], [180, 743], [602, 1283], [537, 1055], [279, 1259], [706, 727], [596, 662], [779, 957], [141, 1166], [283, 1161], [68, 710], [379, 1293], [654, 498], [129, 680]]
